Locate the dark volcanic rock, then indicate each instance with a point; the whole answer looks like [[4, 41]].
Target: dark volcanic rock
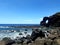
[[53, 20], [36, 33], [8, 41]]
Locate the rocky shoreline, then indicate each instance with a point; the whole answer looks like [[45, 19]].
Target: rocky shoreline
[[46, 34], [52, 39]]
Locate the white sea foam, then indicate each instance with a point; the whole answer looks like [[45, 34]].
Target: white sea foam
[[13, 35]]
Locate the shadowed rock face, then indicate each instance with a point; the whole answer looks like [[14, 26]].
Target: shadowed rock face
[[10, 43], [35, 34], [53, 20]]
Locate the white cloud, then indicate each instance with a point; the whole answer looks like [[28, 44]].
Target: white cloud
[[33, 21], [28, 20], [41, 19]]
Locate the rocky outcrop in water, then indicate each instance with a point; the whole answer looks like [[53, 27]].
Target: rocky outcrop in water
[[53, 20]]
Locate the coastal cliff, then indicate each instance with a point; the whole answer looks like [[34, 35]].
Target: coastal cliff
[[53, 20]]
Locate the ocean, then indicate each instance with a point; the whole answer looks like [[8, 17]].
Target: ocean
[[19, 24], [7, 31]]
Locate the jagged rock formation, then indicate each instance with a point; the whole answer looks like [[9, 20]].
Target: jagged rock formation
[[36, 33], [53, 20]]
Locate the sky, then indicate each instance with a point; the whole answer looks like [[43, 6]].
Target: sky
[[27, 11]]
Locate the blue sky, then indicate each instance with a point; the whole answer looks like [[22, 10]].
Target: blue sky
[[26, 11]]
